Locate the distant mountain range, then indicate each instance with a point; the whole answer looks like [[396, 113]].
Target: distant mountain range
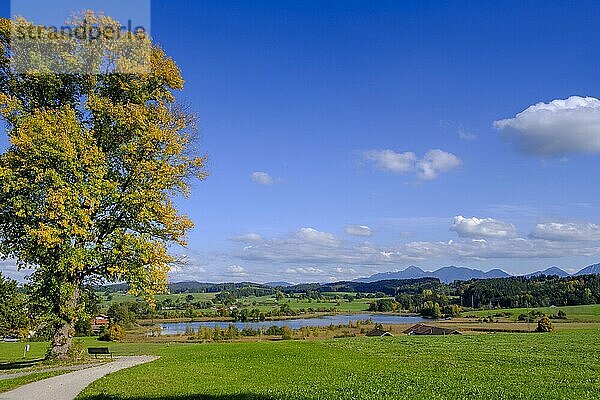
[[452, 273], [445, 274]]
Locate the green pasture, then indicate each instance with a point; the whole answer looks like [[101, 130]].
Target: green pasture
[[10, 352], [564, 365], [587, 313]]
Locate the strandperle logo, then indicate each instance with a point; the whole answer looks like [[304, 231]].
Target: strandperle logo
[[86, 31], [53, 37]]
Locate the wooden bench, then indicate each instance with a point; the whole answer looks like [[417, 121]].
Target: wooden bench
[[99, 350]]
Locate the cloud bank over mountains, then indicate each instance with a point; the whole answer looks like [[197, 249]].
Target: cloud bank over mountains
[[478, 239]]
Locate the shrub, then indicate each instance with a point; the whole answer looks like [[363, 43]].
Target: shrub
[[287, 333], [113, 333], [452, 311], [232, 331], [77, 350], [431, 309], [248, 331], [274, 330], [545, 325]]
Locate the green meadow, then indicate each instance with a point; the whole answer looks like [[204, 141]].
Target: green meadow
[[8, 384], [11, 352], [562, 365], [586, 313]]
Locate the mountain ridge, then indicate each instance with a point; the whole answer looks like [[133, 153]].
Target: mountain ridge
[[590, 269], [452, 273], [550, 271], [445, 274]]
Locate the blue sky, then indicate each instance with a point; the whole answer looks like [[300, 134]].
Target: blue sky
[[353, 137]]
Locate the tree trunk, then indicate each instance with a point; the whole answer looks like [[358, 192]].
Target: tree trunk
[[63, 337], [61, 342]]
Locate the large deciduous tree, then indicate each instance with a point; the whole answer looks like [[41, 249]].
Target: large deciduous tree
[[96, 159]]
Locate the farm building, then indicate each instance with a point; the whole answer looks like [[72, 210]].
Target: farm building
[[99, 322], [422, 329], [378, 333]]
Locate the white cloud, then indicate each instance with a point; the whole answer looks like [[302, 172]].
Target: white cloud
[[558, 128], [236, 270], [262, 178], [311, 235], [358, 230], [247, 238], [465, 135], [389, 160], [429, 167], [570, 231], [483, 228], [435, 162], [305, 271]]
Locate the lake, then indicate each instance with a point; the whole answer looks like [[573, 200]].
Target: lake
[[175, 328]]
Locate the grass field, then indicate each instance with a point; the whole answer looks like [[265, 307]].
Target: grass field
[[10, 352], [564, 365], [9, 384], [588, 313], [561, 365]]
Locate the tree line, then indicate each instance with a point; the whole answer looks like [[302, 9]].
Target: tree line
[[21, 311]]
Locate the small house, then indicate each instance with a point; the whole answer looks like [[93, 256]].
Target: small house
[[379, 333], [422, 329], [99, 322]]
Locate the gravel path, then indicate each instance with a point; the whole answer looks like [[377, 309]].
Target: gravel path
[[68, 386]]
